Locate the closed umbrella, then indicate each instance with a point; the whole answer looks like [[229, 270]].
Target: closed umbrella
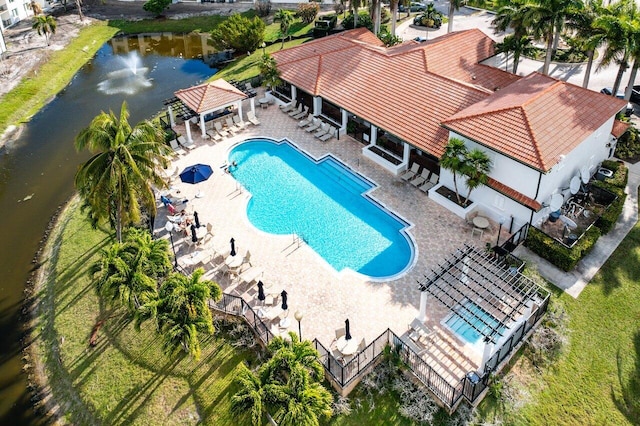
[[347, 334], [196, 173], [261, 295], [197, 219], [284, 300], [194, 237], [233, 247]]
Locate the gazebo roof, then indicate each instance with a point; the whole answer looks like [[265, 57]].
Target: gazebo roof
[[209, 96], [485, 293]]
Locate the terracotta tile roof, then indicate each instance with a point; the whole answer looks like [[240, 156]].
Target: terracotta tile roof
[[514, 195], [619, 127], [535, 119], [396, 88], [209, 96]]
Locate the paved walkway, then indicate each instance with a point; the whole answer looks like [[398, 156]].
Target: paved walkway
[[575, 281]]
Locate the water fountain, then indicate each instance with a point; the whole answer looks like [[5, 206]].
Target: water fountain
[[128, 80]]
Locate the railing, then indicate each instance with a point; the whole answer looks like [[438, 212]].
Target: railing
[[235, 305], [516, 239]]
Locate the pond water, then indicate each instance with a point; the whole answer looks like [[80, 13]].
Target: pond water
[[36, 170]]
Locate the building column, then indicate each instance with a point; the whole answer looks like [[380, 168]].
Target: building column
[[486, 353], [172, 120], [240, 110], [253, 105], [203, 129], [317, 105], [374, 135], [294, 93], [422, 316], [345, 121], [406, 153], [187, 127]]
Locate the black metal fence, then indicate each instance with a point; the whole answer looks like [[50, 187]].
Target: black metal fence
[[343, 374]]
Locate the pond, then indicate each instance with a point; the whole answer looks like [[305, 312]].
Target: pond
[[37, 169]]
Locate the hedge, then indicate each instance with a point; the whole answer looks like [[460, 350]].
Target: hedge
[[556, 253], [616, 184]]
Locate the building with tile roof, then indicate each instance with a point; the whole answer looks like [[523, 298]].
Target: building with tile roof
[[405, 103]]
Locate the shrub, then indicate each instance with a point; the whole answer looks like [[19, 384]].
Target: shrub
[[239, 33], [548, 340], [156, 6], [556, 253], [263, 8], [307, 12], [628, 145], [620, 173], [385, 16], [389, 39], [339, 6], [364, 20], [608, 219]]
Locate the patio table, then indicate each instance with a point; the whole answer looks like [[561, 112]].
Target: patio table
[[347, 347], [480, 222]]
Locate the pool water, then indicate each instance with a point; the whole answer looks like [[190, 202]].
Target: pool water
[[325, 204], [475, 315]]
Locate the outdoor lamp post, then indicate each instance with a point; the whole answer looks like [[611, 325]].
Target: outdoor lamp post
[[264, 46], [169, 227], [501, 221], [298, 317]]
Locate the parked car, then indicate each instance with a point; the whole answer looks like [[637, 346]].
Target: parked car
[[635, 94], [413, 7], [620, 95]]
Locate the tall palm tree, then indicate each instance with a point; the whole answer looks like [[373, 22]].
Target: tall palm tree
[[116, 181], [269, 71], [453, 6], [250, 397], [183, 311], [511, 15], [45, 25], [286, 19], [375, 12], [519, 46], [454, 159], [354, 5], [127, 273], [588, 37], [294, 352], [393, 5], [478, 167]]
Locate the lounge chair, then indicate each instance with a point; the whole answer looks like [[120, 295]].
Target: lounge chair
[[313, 126], [285, 106], [303, 114], [230, 126], [238, 122], [220, 130], [323, 130], [433, 181], [296, 111], [251, 116], [329, 135], [306, 121], [290, 107], [176, 148], [189, 145], [213, 134], [410, 174], [424, 176]]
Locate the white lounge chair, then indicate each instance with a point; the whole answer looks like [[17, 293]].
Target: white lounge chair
[[230, 126], [189, 145], [290, 107], [330, 134], [176, 148], [285, 106], [410, 174], [251, 116], [323, 130], [296, 111], [238, 122], [433, 181], [303, 114], [306, 121], [313, 126], [422, 178], [220, 130]]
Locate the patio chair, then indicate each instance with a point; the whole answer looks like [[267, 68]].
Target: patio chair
[[306, 121], [285, 106], [424, 176], [251, 274], [303, 114], [213, 134], [323, 130], [340, 332], [220, 130], [296, 111], [174, 145], [251, 116], [247, 258], [209, 229], [410, 174], [313, 126], [238, 122], [290, 107], [230, 125], [329, 135], [433, 181], [189, 145]]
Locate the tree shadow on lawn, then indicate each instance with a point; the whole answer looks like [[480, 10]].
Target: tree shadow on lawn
[[622, 264], [629, 405]]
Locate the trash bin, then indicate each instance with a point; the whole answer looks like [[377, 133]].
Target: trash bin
[[603, 174], [571, 239], [553, 216], [473, 377]]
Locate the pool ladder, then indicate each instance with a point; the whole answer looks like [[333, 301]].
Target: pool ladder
[[298, 239]]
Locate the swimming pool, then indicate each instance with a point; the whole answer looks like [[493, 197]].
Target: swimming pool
[[324, 203], [476, 316]]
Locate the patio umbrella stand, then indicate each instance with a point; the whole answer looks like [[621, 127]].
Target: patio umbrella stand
[[347, 329], [261, 295], [197, 219], [284, 300], [233, 247], [194, 237]]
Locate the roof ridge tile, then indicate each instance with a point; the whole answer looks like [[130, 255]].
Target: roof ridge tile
[[534, 139]]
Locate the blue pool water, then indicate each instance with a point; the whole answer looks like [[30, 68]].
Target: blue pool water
[[323, 202], [475, 315]]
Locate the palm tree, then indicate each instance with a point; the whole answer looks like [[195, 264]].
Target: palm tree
[[286, 19], [393, 4], [511, 15], [35, 7], [117, 179], [127, 273], [354, 5], [183, 311], [375, 13], [519, 46], [453, 6], [588, 38], [294, 352], [453, 159], [478, 167], [269, 71], [45, 25], [250, 396]]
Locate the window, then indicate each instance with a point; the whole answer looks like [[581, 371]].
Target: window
[[498, 202], [331, 111]]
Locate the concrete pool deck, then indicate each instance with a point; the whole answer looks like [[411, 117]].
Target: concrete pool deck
[[325, 297]]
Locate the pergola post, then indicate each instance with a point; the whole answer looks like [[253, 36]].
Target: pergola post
[[487, 352], [345, 121], [172, 120], [253, 106], [374, 135], [203, 129], [317, 105], [240, 109], [422, 316], [294, 93], [187, 127], [406, 154]]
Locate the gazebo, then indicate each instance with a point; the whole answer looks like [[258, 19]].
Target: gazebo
[[486, 292], [204, 99]]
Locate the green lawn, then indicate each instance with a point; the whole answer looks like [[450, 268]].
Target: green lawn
[[194, 24], [125, 379]]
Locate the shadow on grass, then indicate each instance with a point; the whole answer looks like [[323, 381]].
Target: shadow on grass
[[629, 404], [623, 263]]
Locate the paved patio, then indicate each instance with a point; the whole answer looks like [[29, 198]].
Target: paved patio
[[326, 297]]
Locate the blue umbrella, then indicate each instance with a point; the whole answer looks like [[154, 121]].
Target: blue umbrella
[[196, 173]]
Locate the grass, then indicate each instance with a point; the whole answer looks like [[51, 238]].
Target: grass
[[297, 29], [200, 24], [125, 378], [57, 70]]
